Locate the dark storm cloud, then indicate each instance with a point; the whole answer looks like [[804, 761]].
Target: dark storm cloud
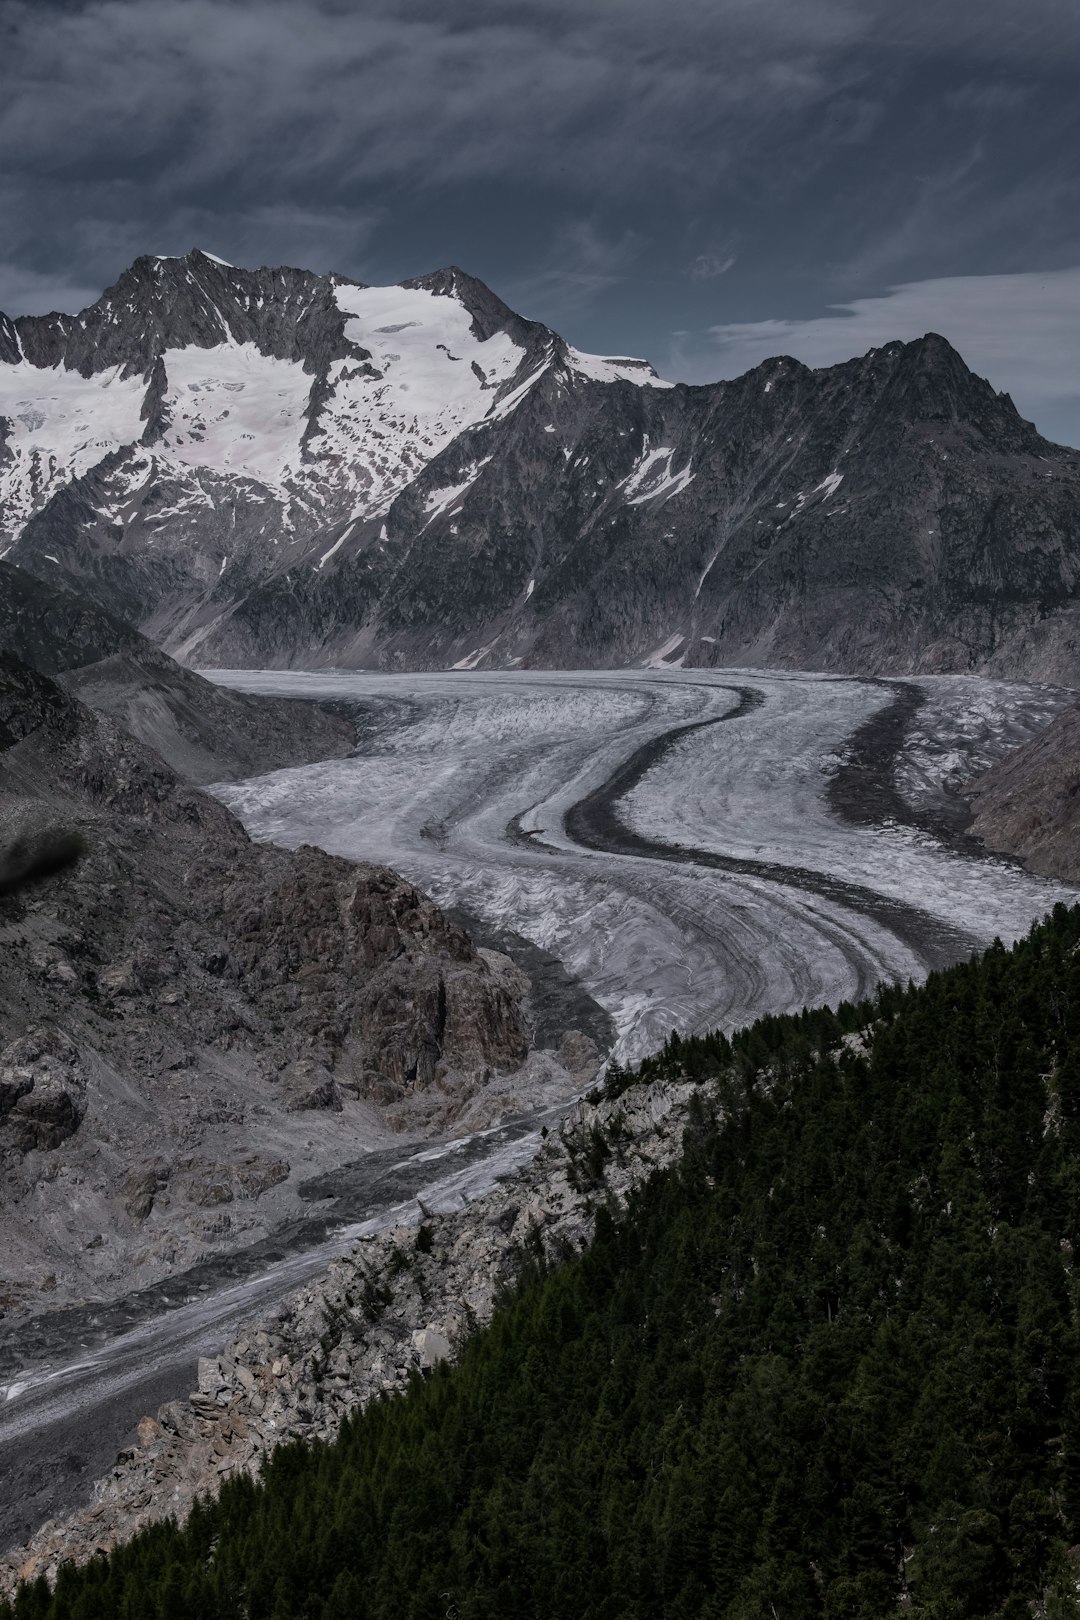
[[291, 127], [633, 166], [206, 90], [154, 107]]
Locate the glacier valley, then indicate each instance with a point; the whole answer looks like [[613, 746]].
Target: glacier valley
[[697, 847]]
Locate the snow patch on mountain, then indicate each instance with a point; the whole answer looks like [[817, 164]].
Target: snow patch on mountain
[[59, 425], [668, 655], [235, 410], [653, 478], [472, 659], [444, 500], [329, 442], [428, 379], [337, 545], [615, 368], [509, 402]]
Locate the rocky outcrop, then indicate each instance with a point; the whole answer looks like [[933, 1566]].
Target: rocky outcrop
[[162, 303], [181, 1006], [42, 1090], [402, 1301], [1028, 804]]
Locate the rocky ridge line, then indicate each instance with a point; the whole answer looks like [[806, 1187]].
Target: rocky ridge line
[[403, 1300]]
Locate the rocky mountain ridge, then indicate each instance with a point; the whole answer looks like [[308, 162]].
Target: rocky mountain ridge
[[274, 468]]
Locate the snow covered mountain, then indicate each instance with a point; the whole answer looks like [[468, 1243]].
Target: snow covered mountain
[[275, 467]]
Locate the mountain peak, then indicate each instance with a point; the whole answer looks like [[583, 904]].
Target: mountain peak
[[162, 302], [443, 281], [201, 253], [254, 461], [933, 383], [193, 255], [934, 350], [155, 266], [488, 312]]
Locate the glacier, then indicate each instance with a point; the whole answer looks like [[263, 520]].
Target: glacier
[[728, 883]]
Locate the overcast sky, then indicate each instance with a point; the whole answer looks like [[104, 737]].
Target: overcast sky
[[706, 182]]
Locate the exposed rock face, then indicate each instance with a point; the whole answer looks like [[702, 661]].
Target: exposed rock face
[[206, 733], [1028, 804], [42, 1090], [181, 1006], [304, 471], [405, 1298], [161, 303]]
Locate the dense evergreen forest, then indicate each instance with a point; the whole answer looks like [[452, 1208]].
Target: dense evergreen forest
[[828, 1366]]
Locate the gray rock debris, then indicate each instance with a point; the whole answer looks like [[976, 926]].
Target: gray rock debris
[[402, 1301], [42, 1091]]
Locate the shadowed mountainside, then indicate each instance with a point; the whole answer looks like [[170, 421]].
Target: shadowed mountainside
[[208, 734], [1028, 804]]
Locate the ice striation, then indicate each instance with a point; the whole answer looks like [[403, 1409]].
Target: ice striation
[[727, 873]]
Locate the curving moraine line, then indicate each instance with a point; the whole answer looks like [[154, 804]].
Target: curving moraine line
[[594, 823]]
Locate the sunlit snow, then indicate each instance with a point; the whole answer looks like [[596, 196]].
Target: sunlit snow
[[611, 368], [233, 410]]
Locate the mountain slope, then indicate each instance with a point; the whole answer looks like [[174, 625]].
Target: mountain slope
[[204, 732], [271, 467], [174, 995], [1028, 804]]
